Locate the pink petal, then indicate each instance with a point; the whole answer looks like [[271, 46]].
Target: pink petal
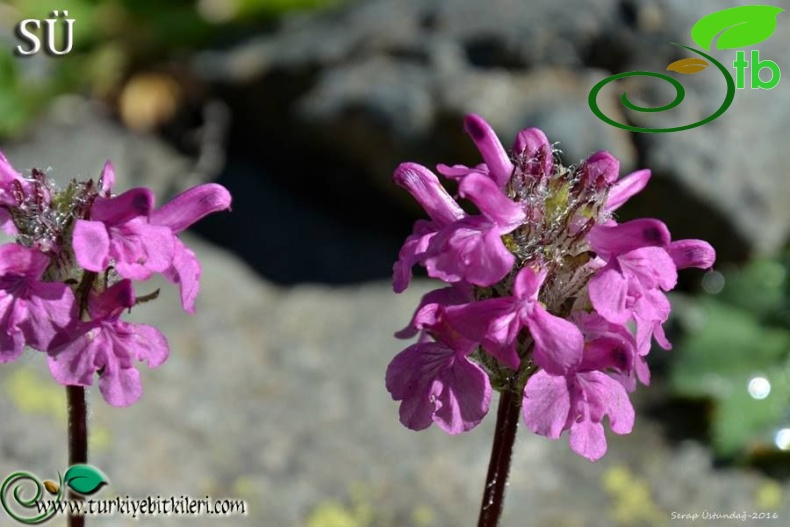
[[609, 351], [192, 205], [7, 172], [460, 171], [642, 370], [12, 344], [140, 249], [559, 344], [465, 396], [626, 188], [411, 378], [587, 439], [51, 308], [546, 404], [120, 387], [528, 282], [469, 250], [147, 344], [427, 314], [425, 187], [602, 166], [73, 363], [651, 266], [124, 207], [91, 245], [20, 260], [6, 223], [185, 271], [692, 253], [493, 323], [618, 239], [492, 202], [608, 291], [412, 253], [531, 144], [608, 397], [112, 301], [490, 148]]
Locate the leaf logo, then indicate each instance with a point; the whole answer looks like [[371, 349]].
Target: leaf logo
[[739, 26], [84, 479], [688, 66]]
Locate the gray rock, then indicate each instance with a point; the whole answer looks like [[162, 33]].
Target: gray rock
[[384, 81]]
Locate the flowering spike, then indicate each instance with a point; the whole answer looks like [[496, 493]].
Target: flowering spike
[[551, 297], [66, 281]]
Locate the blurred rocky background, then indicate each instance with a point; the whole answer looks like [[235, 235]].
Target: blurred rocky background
[[274, 390]]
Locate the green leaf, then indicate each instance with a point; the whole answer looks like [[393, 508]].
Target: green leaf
[[758, 288], [84, 479], [742, 26], [727, 342]]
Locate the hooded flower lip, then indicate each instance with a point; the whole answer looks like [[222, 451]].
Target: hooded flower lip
[[626, 188], [494, 155], [426, 189], [106, 345], [191, 206], [692, 253]]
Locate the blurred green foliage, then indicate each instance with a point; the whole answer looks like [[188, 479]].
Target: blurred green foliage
[[736, 339], [115, 37]]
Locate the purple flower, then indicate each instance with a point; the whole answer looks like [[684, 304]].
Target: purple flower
[[11, 184], [32, 311], [496, 324], [471, 249], [108, 346], [424, 186], [139, 241], [437, 383], [119, 233], [432, 305], [454, 246], [549, 294], [579, 398], [66, 281], [577, 402]]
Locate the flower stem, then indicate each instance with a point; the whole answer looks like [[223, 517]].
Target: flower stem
[[77, 404], [78, 438], [501, 454]]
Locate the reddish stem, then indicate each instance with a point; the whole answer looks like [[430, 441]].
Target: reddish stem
[[507, 418]]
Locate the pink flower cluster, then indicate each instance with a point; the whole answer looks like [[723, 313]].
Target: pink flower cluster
[[68, 277], [547, 294]]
